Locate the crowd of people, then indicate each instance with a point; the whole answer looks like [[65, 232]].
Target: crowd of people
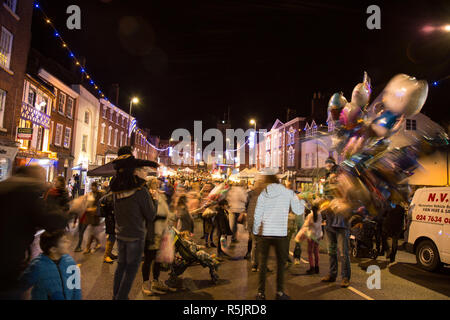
[[138, 214]]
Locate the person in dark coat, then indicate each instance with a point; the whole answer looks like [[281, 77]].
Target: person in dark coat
[[134, 211], [57, 197], [222, 226], [392, 229], [23, 212], [186, 222]]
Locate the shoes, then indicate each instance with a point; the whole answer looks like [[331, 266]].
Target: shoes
[[328, 278], [98, 246], [113, 256], [78, 249], [145, 289], [203, 237], [87, 251], [282, 296], [207, 245], [161, 286], [213, 245], [108, 260], [345, 283], [158, 287], [247, 256], [254, 268], [260, 296], [316, 269], [310, 271], [296, 261]]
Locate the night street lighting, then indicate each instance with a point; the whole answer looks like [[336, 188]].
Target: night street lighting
[[135, 100]]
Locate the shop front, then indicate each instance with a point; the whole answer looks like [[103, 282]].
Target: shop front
[[8, 151], [47, 160]]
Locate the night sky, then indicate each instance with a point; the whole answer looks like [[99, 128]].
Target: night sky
[[191, 60]]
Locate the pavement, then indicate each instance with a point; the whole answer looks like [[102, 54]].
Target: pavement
[[401, 280]]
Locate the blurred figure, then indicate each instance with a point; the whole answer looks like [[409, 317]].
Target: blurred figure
[[208, 217], [92, 217], [392, 230], [22, 213], [222, 226], [237, 199], [270, 225], [106, 209], [57, 197], [185, 221]]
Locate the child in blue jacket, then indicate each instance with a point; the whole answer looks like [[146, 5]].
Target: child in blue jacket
[[54, 274]]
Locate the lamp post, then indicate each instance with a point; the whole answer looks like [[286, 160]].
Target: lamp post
[[253, 122], [135, 101]]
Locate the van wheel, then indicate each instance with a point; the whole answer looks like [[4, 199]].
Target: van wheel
[[427, 255]]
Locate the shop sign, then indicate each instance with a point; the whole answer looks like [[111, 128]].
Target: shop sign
[[305, 179], [25, 133]]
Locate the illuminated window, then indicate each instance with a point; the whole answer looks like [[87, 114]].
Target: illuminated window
[[12, 4], [61, 102], [102, 140], [291, 157], [58, 134], [115, 137], [67, 134], [109, 135], [84, 143], [69, 107], [104, 113], [121, 139], [6, 40], [2, 106]]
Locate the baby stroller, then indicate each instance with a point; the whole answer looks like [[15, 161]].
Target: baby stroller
[[187, 254], [362, 234]]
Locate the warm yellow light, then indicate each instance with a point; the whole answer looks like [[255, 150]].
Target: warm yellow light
[[96, 87], [447, 28], [135, 100], [64, 45], [252, 121], [88, 77], [77, 63], [48, 21]]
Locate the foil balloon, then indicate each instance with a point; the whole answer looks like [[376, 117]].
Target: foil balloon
[[361, 92], [350, 116], [335, 105], [405, 95], [384, 123]]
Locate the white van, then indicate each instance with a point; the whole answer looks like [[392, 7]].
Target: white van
[[428, 235]]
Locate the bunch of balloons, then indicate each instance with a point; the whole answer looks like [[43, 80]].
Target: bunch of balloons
[[371, 172]]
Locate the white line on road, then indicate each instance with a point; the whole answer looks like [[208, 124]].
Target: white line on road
[[350, 288]]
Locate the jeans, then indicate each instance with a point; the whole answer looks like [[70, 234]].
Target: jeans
[[234, 217], [313, 253], [130, 254], [149, 257], [81, 229], [338, 240], [280, 244]]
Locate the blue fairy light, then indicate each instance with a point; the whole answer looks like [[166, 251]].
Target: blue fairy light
[[56, 34]]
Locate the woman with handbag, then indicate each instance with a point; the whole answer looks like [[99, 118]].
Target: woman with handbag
[[155, 231]]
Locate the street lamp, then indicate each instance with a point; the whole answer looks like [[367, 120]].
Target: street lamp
[[253, 122], [135, 100]]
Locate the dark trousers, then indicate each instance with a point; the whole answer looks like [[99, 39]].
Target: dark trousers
[[264, 244], [130, 255], [81, 229], [390, 245], [149, 258], [234, 217], [209, 236]]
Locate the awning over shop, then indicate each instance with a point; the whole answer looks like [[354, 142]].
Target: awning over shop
[[106, 170]]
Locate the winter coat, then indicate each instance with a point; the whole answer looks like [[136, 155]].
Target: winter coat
[[237, 199], [222, 223], [91, 216], [272, 210], [164, 218], [51, 281], [252, 198], [134, 210], [22, 213], [310, 229], [106, 210], [57, 200]]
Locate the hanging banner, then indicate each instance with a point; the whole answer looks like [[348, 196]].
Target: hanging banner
[[25, 133]]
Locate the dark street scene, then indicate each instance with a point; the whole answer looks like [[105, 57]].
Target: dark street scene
[[224, 150]]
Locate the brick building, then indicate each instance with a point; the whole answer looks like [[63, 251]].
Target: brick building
[[62, 124], [15, 37], [112, 134]]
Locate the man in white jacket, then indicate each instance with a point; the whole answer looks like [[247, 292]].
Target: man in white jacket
[[270, 227]]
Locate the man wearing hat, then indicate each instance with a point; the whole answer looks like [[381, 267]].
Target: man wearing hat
[[134, 211]]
